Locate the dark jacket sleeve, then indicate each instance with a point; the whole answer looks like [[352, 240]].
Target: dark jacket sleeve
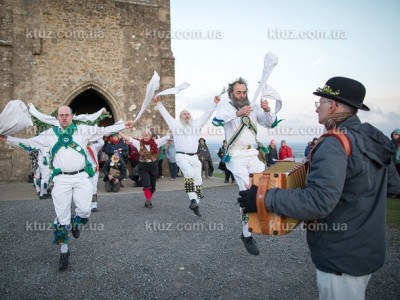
[[125, 149], [324, 186], [122, 173], [393, 181], [106, 169], [109, 150], [220, 152]]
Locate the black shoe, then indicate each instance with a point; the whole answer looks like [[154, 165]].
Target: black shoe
[[45, 196], [63, 263], [196, 211], [193, 204], [75, 231], [250, 245], [148, 204], [94, 209]]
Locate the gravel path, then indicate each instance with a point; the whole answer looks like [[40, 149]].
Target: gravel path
[[130, 252]]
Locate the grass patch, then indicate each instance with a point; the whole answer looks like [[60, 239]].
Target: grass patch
[[218, 175], [393, 212]]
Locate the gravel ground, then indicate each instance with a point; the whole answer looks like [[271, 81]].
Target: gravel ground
[[130, 252]]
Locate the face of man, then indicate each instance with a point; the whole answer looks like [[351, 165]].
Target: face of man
[[64, 116], [324, 110], [185, 117], [239, 95], [114, 138], [146, 136]]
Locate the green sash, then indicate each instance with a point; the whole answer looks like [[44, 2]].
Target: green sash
[[65, 140], [246, 122]]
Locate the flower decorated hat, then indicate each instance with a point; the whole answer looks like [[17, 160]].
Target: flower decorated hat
[[344, 90]]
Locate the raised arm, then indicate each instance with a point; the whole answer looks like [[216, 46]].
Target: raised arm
[[264, 117], [164, 113], [206, 116], [94, 132], [162, 141]]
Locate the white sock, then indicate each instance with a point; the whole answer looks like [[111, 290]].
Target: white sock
[[246, 232], [64, 248]]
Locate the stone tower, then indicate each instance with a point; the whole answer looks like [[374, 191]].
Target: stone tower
[[86, 54]]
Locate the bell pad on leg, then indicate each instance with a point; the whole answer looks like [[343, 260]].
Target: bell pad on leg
[[189, 185]]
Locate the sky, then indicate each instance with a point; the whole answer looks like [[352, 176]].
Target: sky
[[215, 42]]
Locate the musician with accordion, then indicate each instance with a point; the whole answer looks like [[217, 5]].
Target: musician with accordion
[[343, 201]]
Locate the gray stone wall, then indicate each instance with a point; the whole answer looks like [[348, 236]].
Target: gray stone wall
[[52, 50]]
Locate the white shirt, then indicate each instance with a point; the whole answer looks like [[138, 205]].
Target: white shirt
[[186, 138], [227, 113], [67, 159]]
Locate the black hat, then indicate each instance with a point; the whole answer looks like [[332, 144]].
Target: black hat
[[345, 90]]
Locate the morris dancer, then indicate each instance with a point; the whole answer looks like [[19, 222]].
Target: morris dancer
[[240, 124], [186, 133], [93, 149], [148, 163], [71, 170]]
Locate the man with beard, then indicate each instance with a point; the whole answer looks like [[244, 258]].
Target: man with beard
[[186, 133], [240, 120]]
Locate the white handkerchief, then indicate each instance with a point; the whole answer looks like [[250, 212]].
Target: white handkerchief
[[174, 90], [42, 117], [270, 61], [270, 93], [15, 117], [151, 88]]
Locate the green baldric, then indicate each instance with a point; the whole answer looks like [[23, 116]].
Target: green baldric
[[246, 122], [65, 140]]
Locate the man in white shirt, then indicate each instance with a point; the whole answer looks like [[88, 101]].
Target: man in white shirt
[[186, 132], [239, 120], [71, 169]]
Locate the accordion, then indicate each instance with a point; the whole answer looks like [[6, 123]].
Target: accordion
[[284, 175]]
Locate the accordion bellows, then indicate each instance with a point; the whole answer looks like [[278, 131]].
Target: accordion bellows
[[283, 175]]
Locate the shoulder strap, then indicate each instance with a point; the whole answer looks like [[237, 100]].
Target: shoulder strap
[[65, 140], [342, 138]]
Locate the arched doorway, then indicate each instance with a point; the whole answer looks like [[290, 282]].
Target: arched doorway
[[91, 101]]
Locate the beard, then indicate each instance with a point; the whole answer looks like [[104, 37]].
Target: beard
[[186, 123], [238, 103]]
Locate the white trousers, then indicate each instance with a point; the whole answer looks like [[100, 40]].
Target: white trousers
[[94, 180], [244, 162], [338, 287], [72, 187], [190, 165], [42, 173]]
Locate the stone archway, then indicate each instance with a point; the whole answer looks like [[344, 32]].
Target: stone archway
[[89, 98], [89, 102]]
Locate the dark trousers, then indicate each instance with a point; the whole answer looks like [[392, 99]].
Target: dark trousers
[[160, 168], [111, 187], [228, 174], [173, 169], [148, 172]]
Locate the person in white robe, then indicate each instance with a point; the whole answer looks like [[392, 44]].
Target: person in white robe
[[186, 133], [239, 120]]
